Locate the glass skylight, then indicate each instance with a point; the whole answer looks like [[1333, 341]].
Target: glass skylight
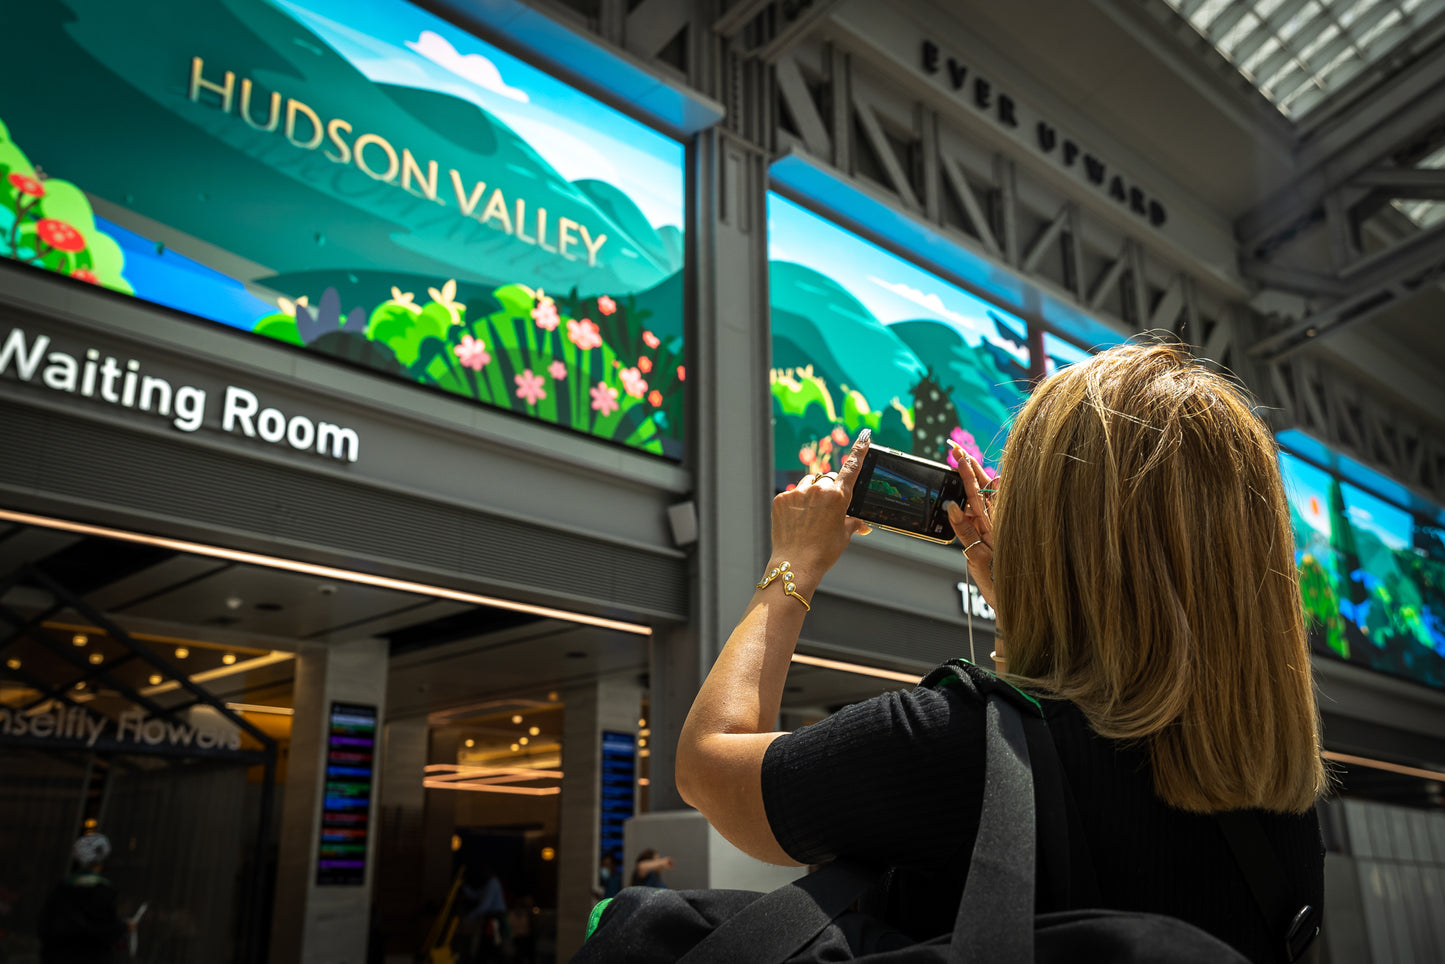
[[1298, 51]]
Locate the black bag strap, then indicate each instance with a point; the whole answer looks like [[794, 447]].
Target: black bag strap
[[1298, 923], [1067, 861], [995, 920], [781, 922]]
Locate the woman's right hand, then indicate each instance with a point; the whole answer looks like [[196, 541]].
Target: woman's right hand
[[972, 524]]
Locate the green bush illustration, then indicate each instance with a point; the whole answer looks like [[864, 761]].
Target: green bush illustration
[[48, 223], [583, 363]]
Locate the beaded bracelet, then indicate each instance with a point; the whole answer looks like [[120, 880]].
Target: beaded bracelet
[[789, 586]]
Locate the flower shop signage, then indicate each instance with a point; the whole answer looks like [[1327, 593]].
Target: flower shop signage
[[106, 379], [77, 726]]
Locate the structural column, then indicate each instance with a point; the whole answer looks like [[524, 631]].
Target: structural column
[[730, 437], [592, 709], [323, 924]]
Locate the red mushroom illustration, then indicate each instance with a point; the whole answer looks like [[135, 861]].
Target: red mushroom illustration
[[26, 184], [85, 274], [60, 235]]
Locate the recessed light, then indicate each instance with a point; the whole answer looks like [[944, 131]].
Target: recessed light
[[182, 652], [228, 658], [535, 730], [552, 697], [79, 639], [523, 740], [13, 663], [516, 717], [97, 658], [516, 747], [470, 743], [642, 742], [642, 722], [156, 678], [80, 685], [234, 602]]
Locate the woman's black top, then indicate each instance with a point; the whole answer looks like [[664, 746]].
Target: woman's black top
[[897, 781], [79, 923]]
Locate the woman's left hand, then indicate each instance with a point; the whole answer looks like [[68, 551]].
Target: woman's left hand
[[811, 526]]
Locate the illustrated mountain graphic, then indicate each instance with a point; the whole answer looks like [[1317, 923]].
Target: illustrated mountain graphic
[[263, 205]]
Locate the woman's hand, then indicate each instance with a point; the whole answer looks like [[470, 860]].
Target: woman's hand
[[811, 526], [972, 523]]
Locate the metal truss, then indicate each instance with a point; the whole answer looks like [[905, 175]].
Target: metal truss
[[1354, 170]]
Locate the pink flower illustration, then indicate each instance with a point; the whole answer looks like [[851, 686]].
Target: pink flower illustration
[[807, 455], [644, 364], [633, 382], [472, 352], [85, 274], [655, 397], [584, 333], [652, 340], [26, 184], [681, 374], [840, 435], [545, 314], [529, 387], [606, 305], [966, 440], [604, 399], [557, 370], [825, 445]]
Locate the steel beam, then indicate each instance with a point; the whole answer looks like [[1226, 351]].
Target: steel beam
[[1413, 183]]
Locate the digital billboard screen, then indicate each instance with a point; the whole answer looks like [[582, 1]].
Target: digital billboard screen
[[862, 338], [362, 180], [1372, 573], [346, 803]]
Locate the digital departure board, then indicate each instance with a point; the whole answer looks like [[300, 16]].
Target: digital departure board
[[346, 805]]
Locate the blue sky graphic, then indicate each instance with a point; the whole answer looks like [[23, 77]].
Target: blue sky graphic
[[888, 286], [393, 42]]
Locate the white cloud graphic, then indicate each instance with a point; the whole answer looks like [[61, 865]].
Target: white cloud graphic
[[471, 67]]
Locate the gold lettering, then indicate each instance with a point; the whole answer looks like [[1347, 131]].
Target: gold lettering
[[198, 84], [542, 230], [317, 131], [521, 220], [592, 245], [467, 202], [428, 184], [344, 157], [392, 164], [273, 121], [497, 208], [565, 235]]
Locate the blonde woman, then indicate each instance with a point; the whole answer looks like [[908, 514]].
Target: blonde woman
[[1139, 556]]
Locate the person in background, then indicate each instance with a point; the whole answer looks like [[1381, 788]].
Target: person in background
[[647, 872], [79, 923], [1137, 549], [609, 876]]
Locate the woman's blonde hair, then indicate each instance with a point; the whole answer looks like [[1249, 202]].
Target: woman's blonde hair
[[1144, 567]]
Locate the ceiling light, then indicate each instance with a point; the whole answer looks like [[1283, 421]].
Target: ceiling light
[[228, 658], [535, 730], [12, 663], [516, 747], [644, 753], [234, 602], [470, 743], [182, 652], [644, 732], [97, 658], [80, 639], [644, 782], [155, 679], [523, 741], [857, 668], [517, 718], [642, 743], [80, 685], [552, 697], [548, 853], [641, 722], [258, 708], [329, 572]]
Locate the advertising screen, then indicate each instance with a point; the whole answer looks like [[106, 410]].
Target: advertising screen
[[863, 338], [346, 806], [364, 181], [1372, 574]]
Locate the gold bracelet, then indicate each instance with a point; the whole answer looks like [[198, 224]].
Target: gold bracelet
[[789, 586]]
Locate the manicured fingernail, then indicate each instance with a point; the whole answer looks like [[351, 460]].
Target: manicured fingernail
[[955, 514], [864, 436]]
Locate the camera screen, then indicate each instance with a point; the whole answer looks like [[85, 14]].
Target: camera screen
[[901, 494]]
